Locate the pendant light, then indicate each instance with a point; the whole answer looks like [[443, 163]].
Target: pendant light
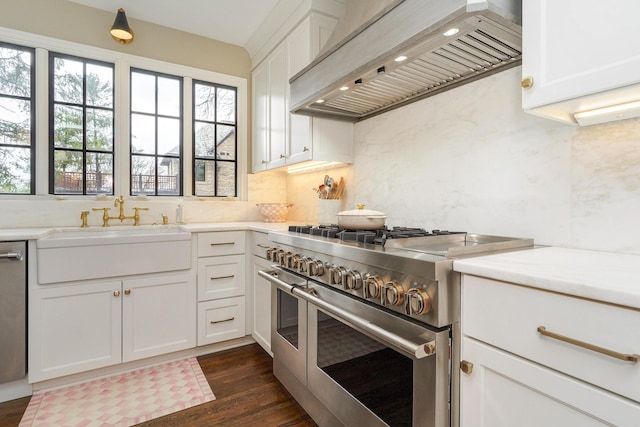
[[120, 30]]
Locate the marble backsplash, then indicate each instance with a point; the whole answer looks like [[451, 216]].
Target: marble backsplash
[[470, 159]]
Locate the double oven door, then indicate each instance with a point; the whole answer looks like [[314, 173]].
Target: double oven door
[[368, 367]]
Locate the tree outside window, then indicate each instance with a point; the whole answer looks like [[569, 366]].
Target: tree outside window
[[81, 113], [17, 136]]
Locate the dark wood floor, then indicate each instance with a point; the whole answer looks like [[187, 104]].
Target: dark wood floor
[[247, 394]]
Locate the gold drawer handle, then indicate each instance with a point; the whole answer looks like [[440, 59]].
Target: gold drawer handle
[[231, 276], [621, 356], [260, 245], [213, 322], [222, 244]]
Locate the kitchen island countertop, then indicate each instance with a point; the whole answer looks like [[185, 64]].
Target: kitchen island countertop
[[599, 276]]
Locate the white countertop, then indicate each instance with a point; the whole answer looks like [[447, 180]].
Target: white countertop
[[600, 276], [9, 234]]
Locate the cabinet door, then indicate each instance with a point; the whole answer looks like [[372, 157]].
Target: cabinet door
[[260, 83], [261, 305], [221, 277], [299, 56], [74, 329], [504, 390], [278, 111], [574, 48], [158, 315]]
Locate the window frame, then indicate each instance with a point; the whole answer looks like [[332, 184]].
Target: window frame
[[85, 151], [123, 61], [156, 115], [32, 99], [215, 122]]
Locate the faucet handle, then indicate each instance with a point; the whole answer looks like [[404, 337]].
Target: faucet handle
[[136, 215], [105, 215], [165, 219], [83, 217]]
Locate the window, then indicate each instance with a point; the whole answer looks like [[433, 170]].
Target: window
[[81, 114], [215, 141], [17, 124], [156, 133]]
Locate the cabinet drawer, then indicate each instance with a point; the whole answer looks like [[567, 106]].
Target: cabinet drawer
[[221, 277], [221, 320], [260, 243], [221, 243], [508, 316]]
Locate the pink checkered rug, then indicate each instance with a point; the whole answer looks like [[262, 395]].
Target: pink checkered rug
[[122, 400]]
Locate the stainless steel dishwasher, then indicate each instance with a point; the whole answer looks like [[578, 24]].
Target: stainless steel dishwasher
[[13, 311]]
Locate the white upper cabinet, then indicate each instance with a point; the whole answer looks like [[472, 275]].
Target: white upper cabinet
[[281, 138], [579, 57]]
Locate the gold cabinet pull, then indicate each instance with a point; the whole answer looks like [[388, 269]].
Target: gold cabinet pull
[[527, 82], [222, 244], [127, 291], [230, 276], [466, 366], [621, 356], [213, 322], [116, 293], [305, 149], [282, 156], [260, 245]]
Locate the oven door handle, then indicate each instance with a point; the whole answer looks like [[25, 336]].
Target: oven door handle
[[406, 345]]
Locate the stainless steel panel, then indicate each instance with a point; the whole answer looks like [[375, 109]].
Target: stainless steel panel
[[13, 309], [294, 357]]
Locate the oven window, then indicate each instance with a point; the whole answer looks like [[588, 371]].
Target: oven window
[[377, 376], [288, 317]]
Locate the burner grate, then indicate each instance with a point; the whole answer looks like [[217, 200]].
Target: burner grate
[[378, 237]]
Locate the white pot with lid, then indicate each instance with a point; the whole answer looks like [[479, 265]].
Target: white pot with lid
[[361, 219]]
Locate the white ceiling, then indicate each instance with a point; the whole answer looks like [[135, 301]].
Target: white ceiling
[[231, 21]]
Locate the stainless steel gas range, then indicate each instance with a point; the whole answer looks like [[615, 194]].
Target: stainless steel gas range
[[365, 324]]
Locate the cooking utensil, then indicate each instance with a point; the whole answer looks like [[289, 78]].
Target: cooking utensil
[[361, 219]]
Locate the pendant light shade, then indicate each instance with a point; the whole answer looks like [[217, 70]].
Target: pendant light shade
[[120, 30]]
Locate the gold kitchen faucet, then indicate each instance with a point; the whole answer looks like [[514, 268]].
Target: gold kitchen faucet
[[119, 202]]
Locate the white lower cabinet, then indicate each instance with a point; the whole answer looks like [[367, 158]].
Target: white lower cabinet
[[221, 286], [261, 330], [89, 325], [158, 316], [513, 374], [504, 390]]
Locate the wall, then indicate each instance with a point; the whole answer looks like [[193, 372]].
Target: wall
[[65, 20], [470, 159]]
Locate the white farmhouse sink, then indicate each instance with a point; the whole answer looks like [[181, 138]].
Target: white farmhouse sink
[[65, 237], [69, 254]]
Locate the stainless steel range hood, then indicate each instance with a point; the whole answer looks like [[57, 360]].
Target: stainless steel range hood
[[359, 77]]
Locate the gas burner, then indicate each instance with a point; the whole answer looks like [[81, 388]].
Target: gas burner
[[377, 237]]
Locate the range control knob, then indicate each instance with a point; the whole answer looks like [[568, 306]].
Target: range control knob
[[417, 301], [303, 266], [271, 253], [316, 268], [353, 280], [336, 274], [392, 293], [283, 258], [293, 261], [372, 287]]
